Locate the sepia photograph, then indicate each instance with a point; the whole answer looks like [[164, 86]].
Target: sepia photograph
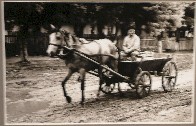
[[98, 62]]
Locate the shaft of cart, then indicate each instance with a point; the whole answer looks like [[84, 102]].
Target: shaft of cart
[[97, 63]]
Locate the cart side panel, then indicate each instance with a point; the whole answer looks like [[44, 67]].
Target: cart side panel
[[128, 68], [154, 65]]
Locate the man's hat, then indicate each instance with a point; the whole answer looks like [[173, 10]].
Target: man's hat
[[131, 29]]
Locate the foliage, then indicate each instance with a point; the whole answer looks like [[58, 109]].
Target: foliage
[[25, 15], [167, 15], [189, 14], [157, 16]]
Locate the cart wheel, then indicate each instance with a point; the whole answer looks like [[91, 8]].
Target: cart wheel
[[169, 76], [107, 88], [143, 84], [132, 84]]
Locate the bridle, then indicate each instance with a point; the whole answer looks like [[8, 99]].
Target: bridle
[[61, 45]]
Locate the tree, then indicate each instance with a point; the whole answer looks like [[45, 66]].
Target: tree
[[167, 15], [156, 16], [189, 15], [25, 15]]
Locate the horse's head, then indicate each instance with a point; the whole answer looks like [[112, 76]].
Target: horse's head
[[58, 39]]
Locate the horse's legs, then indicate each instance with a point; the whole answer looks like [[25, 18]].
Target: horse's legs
[[100, 80], [82, 78], [70, 72], [114, 65]]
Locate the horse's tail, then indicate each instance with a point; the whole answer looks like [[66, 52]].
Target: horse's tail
[[114, 50], [114, 56]]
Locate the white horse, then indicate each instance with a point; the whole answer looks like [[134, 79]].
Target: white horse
[[102, 50]]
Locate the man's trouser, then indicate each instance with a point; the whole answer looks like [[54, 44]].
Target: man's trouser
[[129, 56]]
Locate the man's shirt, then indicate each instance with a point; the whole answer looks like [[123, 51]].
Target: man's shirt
[[131, 43]]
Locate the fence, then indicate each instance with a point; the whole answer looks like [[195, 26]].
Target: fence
[[149, 44], [182, 44], [96, 36], [37, 45], [11, 45], [168, 44], [145, 44]]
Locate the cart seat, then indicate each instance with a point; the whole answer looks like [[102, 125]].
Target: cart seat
[[146, 55]]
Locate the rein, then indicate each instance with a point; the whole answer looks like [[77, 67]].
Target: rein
[[59, 46], [74, 50], [94, 55]]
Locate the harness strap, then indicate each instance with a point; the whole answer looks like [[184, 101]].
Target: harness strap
[[103, 55], [97, 63], [93, 55], [55, 45]]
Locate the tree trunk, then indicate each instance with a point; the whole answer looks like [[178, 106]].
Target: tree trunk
[[159, 46], [99, 28], [23, 35], [23, 52]]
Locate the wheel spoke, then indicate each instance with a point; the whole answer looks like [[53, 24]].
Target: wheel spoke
[[140, 82], [144, 92], [167, 72], [143, 82], [169, 76], [110, 89], [104, 88], [143, 78], [173, 83], [147, 81], [107, 88], [140, 89]]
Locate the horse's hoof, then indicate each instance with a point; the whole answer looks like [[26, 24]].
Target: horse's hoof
[[98, 94], [97, 99], [79, 79], [68, 99], [82, 103], [121, 94]]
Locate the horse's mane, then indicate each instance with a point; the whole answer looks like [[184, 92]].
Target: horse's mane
[[75, 38], [79, 40]]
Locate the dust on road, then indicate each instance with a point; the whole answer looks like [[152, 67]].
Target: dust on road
[[34, 95]]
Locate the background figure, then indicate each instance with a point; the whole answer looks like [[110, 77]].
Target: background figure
[[131, 45]]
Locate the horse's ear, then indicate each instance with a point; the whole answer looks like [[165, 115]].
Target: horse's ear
[[52, 26], [64, 31]]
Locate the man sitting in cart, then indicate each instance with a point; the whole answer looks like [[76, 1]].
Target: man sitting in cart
[[131, 45]]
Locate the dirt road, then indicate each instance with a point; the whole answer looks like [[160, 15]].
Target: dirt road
[[34, 95]]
